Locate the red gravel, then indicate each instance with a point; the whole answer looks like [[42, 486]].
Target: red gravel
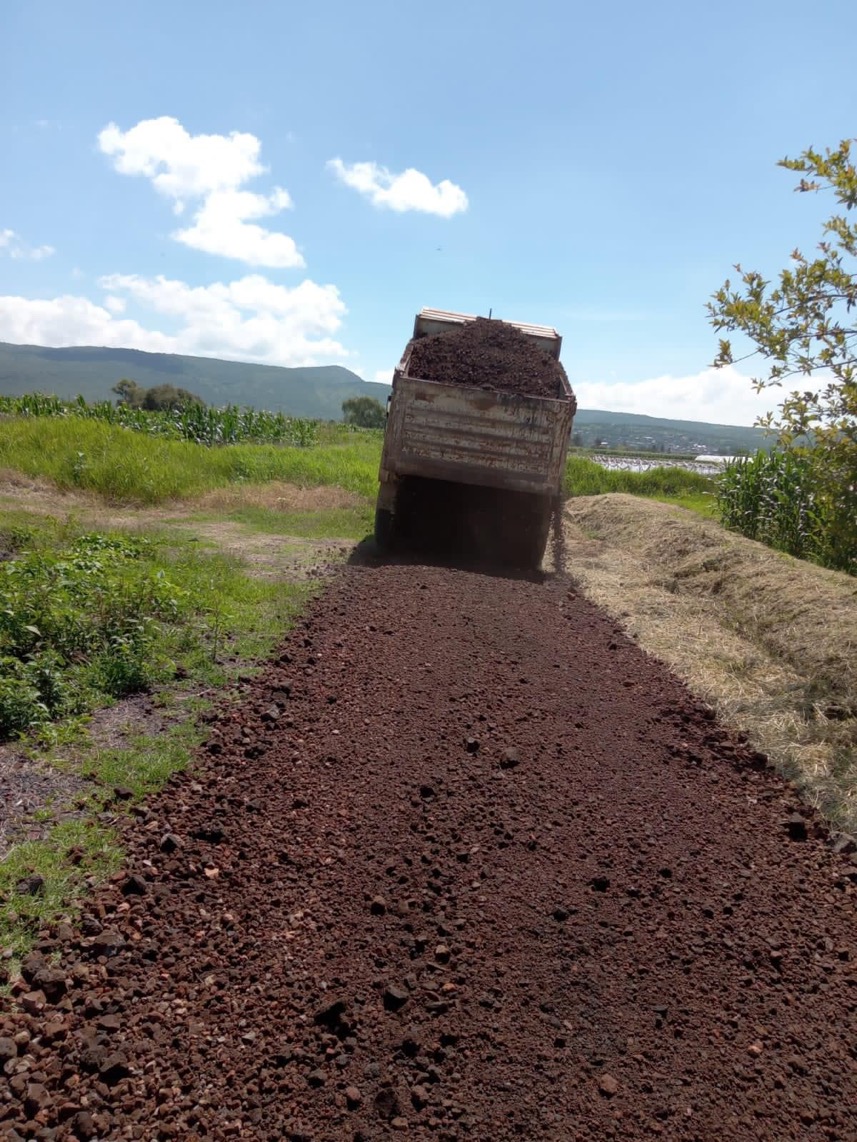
[[490, 355], [463, 864]]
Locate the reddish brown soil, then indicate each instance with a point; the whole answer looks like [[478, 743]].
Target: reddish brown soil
[[465, 864], [490, 355]]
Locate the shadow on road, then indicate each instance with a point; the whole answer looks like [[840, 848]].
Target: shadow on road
[[367, 554]]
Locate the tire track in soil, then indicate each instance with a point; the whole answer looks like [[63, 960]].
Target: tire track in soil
[[463, 864]]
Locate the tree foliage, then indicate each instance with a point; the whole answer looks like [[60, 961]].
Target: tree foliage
[[365, 412], [167, 398], [159, 398], [129, 393], [804, 326]]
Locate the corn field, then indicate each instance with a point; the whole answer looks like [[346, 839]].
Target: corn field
[[783, 500], [208, 426]]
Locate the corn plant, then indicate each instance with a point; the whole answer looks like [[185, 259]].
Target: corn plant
[[196, 423], [785, 500]]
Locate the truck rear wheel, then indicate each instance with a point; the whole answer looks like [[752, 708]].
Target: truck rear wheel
[[383, 529], [528, 534]]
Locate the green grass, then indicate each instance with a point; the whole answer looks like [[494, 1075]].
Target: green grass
[[583, 477], [237, 615], [630, 453], [73, 851], [703, 503], [342, 523], [126, 466], [130, 467], [144, 764]]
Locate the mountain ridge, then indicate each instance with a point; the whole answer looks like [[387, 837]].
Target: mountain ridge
[[314, 391]]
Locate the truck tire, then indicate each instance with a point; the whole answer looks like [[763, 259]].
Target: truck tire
[[541, 533], [526, 545], [383, 529]]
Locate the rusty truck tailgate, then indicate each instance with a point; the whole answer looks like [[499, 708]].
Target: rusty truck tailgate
[[476, 436]]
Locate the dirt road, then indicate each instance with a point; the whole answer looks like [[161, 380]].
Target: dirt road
[[464, 864]]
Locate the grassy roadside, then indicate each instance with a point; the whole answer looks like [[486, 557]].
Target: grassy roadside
[[220, 621], [344, 523], [584, 477], [129, 467]]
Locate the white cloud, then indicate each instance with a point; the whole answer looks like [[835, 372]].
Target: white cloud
[[220, 227], [14, 246], [181, 165], [718, 396], [384, 376], [410, 190], [250, 319], [70, 320], [209, 171]]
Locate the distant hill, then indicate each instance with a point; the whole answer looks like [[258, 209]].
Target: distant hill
[[316, 392], [651, 433]]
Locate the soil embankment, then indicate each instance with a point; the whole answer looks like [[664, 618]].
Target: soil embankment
[[464, 864], [769, 640]]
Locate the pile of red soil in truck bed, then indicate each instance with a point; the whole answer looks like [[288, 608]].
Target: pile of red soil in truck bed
[[488, 354]]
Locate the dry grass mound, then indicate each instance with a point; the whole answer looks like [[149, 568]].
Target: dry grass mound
[[770, 640]]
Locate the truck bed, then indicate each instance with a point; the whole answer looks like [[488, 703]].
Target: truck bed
[[476, 436]]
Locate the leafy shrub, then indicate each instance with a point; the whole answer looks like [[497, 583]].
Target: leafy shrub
[[21, 706], [126, 667], [80, 622]]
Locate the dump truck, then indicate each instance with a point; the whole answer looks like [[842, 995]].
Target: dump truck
[[467, 465]]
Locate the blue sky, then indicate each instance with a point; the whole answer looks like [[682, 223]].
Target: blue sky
[[290, 182]]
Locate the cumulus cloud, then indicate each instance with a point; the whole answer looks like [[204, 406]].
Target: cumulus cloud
[[221, 227], [410, 190], [251, 319], [209, 172], [718, 396], [182, 166], [71, 320], [14, 246]]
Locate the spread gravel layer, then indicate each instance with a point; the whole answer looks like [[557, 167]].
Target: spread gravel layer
[[463, 863]]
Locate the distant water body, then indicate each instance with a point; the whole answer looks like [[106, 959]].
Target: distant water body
[[704, 465]]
